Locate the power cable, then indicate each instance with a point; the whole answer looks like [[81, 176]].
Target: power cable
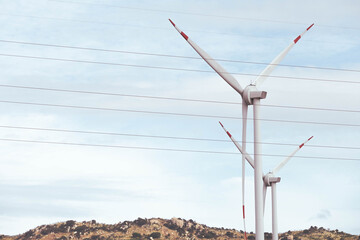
[[174, 99], [199, 14], [175, 69], [167, 137], [167, 29], [174, 56], [178, 114], [166, 149]]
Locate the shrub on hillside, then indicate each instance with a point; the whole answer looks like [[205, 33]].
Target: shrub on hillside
[[229, 234], [81, 229], [49, 229], [61, 238], [70, 223], [181, 231], [207, 234], [268, 236], [136, 235], [96, 237], [170, 225], [306, 231], [140, 222], [155, 235], [28, 234]]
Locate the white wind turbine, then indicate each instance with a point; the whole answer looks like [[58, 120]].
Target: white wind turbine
[[269, 179], [250, 96]]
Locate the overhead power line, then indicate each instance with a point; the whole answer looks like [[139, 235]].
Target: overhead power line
[[173, 98], [174, 56], [167, 28], [174, 69], [167, 137], [178, 114], [198, 14], [167, 149]]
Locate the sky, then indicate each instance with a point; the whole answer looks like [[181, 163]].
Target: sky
[[52, 169]]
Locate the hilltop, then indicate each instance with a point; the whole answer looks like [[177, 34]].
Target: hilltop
[[157, 228]]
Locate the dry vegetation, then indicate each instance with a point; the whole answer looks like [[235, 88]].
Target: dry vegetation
[[157, 228]]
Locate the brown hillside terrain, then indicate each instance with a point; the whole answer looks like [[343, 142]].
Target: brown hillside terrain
[[157, 228]]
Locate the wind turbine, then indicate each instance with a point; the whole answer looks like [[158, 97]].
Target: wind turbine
[[250, 96], [269, 179]]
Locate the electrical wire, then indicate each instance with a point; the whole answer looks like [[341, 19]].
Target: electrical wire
[[168, 137], [167, 149], [167, 29], [174, 99], [178, 114], [175, 69], [174, 56], [199, 14]]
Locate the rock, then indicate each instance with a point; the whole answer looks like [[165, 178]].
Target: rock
[[155, 222], [198, 226], [189, 224], [178, 222]]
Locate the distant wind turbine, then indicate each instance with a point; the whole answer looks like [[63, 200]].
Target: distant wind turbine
[[269, 179]]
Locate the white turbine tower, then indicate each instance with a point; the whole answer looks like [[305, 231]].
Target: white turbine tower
[[269, 179], [250, 96]]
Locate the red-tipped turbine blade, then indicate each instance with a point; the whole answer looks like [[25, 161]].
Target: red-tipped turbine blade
[[212, 63], [282, 164], [267, 71], [264, 195], [244, 156], [244, 125], [238, 146]]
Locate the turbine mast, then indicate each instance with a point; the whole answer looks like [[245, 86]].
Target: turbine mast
[[275, 233], [258, 176]]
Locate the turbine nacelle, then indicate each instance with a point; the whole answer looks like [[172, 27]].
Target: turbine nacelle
[[270, 178], [251, 92]]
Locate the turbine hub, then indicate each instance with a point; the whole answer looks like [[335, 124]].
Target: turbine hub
[[251, 92], [269, 178]]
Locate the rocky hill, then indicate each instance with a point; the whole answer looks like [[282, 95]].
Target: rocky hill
[[157, 228]]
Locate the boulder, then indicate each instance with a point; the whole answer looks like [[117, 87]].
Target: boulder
[[178, 222]]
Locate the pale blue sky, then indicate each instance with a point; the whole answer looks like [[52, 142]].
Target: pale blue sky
[[43, 183]]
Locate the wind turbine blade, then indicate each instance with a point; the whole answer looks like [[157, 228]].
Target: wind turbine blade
[[238, 146], [282, 164], [264, 192], [267, 71], [244, 124], [213, 64]]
